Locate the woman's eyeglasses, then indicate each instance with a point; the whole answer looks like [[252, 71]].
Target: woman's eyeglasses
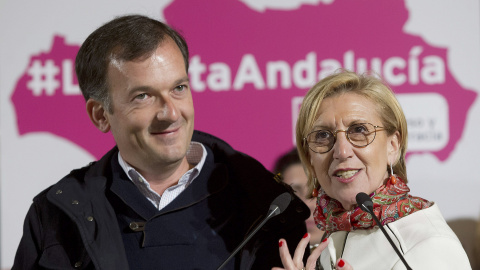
[[359, 135]]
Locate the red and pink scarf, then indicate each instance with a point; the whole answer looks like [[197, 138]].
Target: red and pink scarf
[[390, 202]]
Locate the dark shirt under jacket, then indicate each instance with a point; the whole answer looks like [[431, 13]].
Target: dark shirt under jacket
[[95, 218]]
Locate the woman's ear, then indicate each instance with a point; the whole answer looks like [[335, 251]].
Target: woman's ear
[[393, 147], [98, 115]]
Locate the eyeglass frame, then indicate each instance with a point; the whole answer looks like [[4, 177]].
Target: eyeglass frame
[[375, 129]]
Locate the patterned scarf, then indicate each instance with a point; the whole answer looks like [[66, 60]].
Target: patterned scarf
[[390, 202]]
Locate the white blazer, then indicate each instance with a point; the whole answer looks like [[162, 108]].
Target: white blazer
[[424, 239]]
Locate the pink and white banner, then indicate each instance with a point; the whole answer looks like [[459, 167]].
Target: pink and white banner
[[251, 63]]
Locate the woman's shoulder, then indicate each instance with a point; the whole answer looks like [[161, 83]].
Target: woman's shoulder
[[425, 229], [426, 236], [427, 222], [423, 224]]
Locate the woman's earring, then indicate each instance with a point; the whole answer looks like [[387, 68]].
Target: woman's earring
[[315, 189], [393, 180]]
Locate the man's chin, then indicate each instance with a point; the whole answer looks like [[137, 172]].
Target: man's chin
[[168, 155]]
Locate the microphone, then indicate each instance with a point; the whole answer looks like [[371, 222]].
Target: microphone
[[366, 204], [278, 205]]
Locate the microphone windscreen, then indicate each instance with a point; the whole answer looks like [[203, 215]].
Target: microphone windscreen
[[282, 202], [363, 200]]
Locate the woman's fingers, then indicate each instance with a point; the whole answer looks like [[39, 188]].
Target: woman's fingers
[[312, 259], [300, 250], [343, 265], [285, 255], [296, 262]]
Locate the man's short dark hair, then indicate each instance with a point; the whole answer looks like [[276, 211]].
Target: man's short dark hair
[[123, 38]]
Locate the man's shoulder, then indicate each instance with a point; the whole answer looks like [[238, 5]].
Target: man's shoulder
[[76, 177], [257, 185]]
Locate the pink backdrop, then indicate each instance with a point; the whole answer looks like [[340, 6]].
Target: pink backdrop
[[247, 67]]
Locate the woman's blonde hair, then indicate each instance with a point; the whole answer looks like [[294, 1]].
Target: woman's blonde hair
[[365, 85]]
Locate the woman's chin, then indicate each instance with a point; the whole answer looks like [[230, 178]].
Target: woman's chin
[[348, 204], [348, 199]]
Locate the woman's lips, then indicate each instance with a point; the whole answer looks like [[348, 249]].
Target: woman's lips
[[345, 175]]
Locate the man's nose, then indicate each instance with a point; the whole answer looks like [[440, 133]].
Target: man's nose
[[167, 110]]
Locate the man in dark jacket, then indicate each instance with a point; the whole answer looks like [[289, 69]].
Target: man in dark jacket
[[165, 197]]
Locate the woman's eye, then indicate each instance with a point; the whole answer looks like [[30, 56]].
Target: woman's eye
[[359, 129], [321, 135]]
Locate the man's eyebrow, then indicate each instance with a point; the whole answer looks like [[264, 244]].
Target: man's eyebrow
[[182, 80], [145, 88], [142, 88]]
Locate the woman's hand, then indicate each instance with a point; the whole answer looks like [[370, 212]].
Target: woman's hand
[[297, 262]]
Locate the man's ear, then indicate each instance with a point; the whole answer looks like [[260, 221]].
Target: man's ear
[[393, 147], [98, 115]]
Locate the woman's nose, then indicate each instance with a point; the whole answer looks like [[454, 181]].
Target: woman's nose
[[342, 148]]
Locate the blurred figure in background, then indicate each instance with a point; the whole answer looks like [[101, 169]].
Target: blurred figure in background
[[293, 174], [468, 232]]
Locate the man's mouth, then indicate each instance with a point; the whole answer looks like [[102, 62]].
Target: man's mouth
[[163, 132]]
